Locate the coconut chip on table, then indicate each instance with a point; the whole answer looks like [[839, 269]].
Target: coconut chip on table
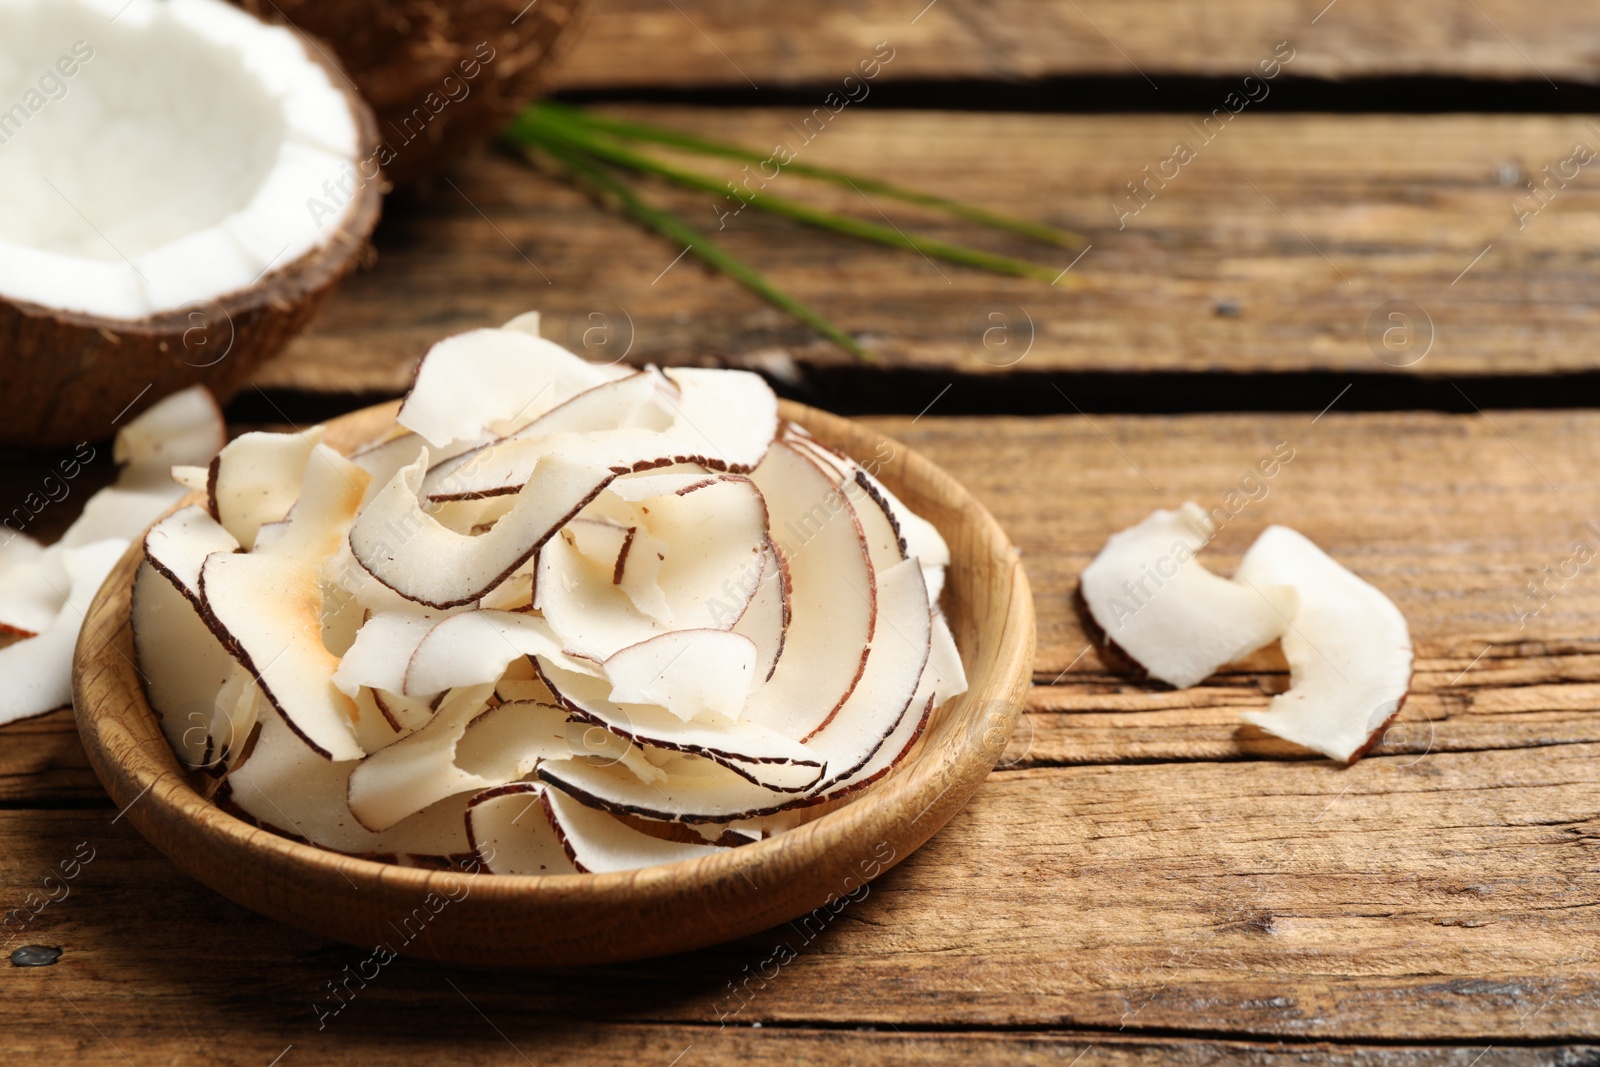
[[575, 617], [1347, 644], [46, 590]]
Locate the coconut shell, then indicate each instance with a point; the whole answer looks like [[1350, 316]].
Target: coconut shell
[[442, 76], [74, 377]]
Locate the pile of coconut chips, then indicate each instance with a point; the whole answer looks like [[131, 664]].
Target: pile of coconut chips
[[565, 616], [1348, 647]]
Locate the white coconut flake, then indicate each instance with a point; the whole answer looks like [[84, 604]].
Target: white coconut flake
[[1348, 648], [1153, 597]]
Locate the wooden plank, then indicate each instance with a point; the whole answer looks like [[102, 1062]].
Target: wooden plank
[[721, 42], [1279, 247], [452, 1033], [1446, 900]]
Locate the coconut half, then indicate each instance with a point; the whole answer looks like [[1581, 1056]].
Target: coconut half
[[1161, 606], [175, 174], [1347, 644]]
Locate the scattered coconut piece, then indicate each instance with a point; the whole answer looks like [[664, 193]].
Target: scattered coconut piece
[[1161, 606], [33, 586], [184, 428], [38, 670], [1347, 644]]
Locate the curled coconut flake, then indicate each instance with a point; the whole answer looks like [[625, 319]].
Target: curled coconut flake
[[38, 670], [832, 608], [491, 381], [700, 790], [755, 753], [1348, 648], [266, 608], [476, 647], [433, 763], [1151, 596], [691, 534], [724, 420], [256, 479]]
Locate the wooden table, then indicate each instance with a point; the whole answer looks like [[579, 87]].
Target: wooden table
[[1143, 878]]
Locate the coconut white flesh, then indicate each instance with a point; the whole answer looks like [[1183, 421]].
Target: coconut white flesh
[[184, 669], [889, 683], [493, 381], [286, 785], [38, 670], [404, 713], [690, 673], [597, 842], [699, 790], [882, 538], [1347, 644], [475, 647], [832, 604], [763, 756], [382, 460], [707, 532], [633, 402], [129, 195], [695, 789], [267, 608], [1160, 604], [178, 545], [513, 834], [378, 657], [193, 479], [184, 428], [256, 479], [375, 729], [766, 617], [423, 560], [721, 419], [916, 535], [437, 762], [944, 662], [33, 586]]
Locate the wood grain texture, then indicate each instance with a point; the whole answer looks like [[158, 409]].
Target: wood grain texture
[[1140, 875], [1273, 250], [724, 42], [1446, 901]]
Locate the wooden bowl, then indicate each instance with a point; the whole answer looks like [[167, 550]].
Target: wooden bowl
[[563, 920]]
